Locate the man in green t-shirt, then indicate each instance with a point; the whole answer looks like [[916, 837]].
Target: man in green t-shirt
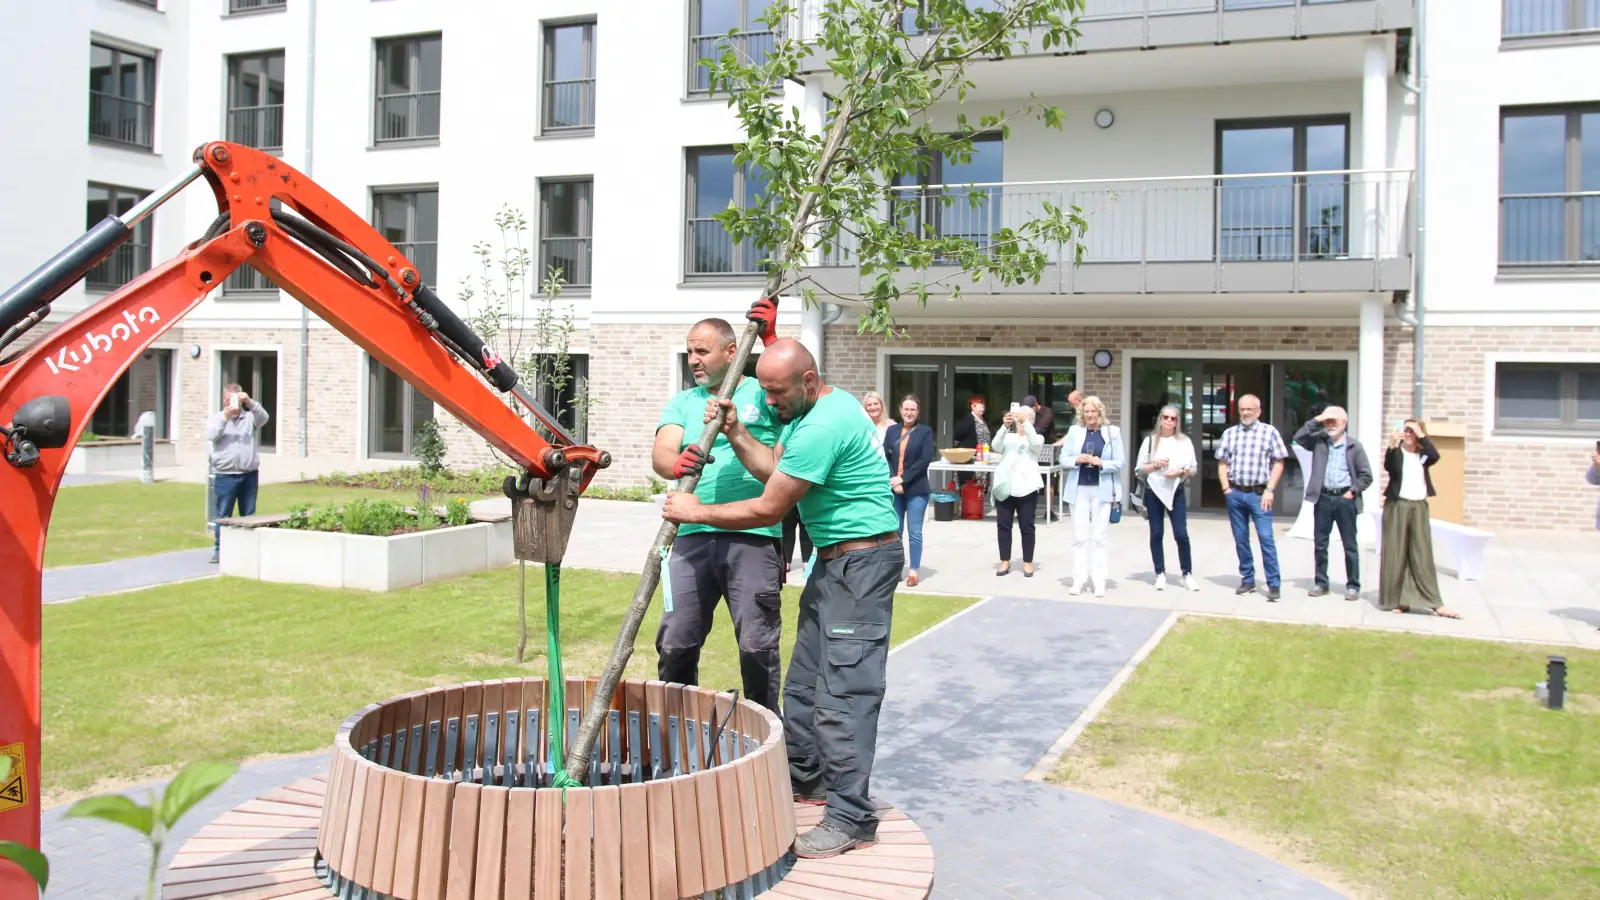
[[708, 564], [827, 462]]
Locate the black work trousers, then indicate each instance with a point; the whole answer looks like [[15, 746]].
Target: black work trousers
[[1330, 510], [1026, 511], [835, 685], [791, 524], [705, 567]]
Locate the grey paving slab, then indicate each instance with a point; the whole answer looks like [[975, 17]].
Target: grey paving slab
[[91, 859], [81, 480], [973, 705], [74, 582]]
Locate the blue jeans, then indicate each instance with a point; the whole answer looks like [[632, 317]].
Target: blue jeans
[[914, 508], [1180, 529], [1244, 507], [231, 489]]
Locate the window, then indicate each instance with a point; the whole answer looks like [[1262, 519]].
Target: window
[[1549, 18], [111, 418], [407, 105], [409, 219], [1258, 221], [923, 209], [710, 21], [395, 411], [1550, 186], [244, 6], [122, 92], [565, 395], [566, 229], [1545, 397], [130, 260], [255, 100], [714, 183], [256, 371], [569, 77]]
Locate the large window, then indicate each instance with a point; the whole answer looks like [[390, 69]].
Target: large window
[[122, 94], [566, 230], [714, 183], [946, 386], [1550, 186], [407, 102], [1550, 18], [409, 219], [131, 259], [710, 22], [1259, 220], [395, 411], [1543, 397], [972, 213], [255, 100], [569, 77], [256, 371]]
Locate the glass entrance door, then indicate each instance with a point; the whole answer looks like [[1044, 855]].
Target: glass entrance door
[[946, 387]]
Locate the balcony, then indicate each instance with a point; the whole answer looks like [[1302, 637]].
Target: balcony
[[1290, 232], [260, 127], [125, 263], [569, 105], [1535, 20], [248, 6], [408, 117], [121, 120], [574, 256], [751, 46], [1144, 24], [1550, 233]]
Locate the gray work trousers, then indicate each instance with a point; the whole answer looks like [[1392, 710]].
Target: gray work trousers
[[835, 685], [705, 567]]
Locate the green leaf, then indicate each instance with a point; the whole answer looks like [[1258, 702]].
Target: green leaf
[[191, 786], [115, 808], [32, 861]]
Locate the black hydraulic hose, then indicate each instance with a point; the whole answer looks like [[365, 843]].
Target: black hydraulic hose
[[336, 252], [501, 375], [62, 271]]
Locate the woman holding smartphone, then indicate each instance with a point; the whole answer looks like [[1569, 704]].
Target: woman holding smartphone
[[1017, 484], [1407, 576]]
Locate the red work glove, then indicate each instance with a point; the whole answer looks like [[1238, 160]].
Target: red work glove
[[690, 462], [764, 312]]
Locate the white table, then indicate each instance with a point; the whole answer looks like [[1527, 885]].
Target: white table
[[1045, 469]]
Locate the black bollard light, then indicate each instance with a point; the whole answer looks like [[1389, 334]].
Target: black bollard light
[[1556, 672]]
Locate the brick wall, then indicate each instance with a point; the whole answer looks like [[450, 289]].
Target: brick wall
[[1547, 490]]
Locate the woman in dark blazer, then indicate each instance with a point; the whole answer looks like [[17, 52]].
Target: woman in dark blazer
[[909, 448], [1407, 576]]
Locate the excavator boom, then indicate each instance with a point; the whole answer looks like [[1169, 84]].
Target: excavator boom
[[321, 253]]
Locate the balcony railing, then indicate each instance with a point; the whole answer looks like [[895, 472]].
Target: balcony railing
[[125, 263], [1544, 230], [235, 6], [425, 256], [574, 256], [1182, 224], [246, 280], [1550, 18], [569, 104], [408, 117], [122, 120], [712, 251], [260, 127], [752, 46]]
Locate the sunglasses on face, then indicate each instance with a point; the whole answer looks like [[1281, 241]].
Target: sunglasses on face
[[1169, 418]]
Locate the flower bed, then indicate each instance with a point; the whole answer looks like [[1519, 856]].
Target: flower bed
[[372, 545]]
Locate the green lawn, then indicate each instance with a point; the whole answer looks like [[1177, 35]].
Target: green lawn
[[136, 684], [1409, 766], [96, 523]]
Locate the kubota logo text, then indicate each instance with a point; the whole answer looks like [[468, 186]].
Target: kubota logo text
[[92, 342]]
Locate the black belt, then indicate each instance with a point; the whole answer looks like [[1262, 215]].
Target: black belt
[[1249, 488]]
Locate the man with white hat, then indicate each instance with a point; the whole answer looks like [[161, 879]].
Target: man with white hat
[[1340, 472]]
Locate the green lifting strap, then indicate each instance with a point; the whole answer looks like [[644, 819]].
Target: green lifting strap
[[558, 683]]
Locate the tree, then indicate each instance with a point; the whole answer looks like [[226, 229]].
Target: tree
[[836, 188]]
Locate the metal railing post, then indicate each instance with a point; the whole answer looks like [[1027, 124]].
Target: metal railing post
[[1295, 231], [1144, 239], [1216, 240]]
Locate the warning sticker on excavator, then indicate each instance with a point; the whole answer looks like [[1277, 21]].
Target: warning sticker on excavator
[[14, 786]]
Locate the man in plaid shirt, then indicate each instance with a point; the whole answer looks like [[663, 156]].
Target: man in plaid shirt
[[1249, 464]]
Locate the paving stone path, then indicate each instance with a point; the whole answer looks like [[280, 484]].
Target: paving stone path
[[75, 582], [973, 705]]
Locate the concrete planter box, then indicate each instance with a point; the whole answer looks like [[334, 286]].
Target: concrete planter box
[[252, 548], [93, 457]]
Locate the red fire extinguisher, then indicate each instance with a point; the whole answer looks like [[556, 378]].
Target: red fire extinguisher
[[972, 500]]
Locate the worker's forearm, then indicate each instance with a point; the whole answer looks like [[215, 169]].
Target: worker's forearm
[[662, 460], [740, 515], [1222, 475], [757, 458], [1277, 472]]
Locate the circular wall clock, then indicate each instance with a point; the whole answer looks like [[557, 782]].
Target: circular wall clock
[[1102, 358]]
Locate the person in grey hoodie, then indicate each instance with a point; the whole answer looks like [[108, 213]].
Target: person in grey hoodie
[[1340, 472], [235, 461]]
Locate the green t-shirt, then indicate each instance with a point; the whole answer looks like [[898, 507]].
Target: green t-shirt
[[834, 447], [726, 479]]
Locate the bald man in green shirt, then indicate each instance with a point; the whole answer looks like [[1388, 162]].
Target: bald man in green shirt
[[828, 463]]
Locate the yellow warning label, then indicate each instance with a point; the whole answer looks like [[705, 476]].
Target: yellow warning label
[[14, 792]]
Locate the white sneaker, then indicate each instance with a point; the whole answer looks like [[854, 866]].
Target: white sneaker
[[1161, 581], [1099, 589], [1076, 589], [1188, 582]]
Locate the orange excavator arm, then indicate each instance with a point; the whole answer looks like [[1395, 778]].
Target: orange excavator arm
[[326, 257]]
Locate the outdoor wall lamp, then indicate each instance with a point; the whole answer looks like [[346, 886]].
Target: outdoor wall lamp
[[1104, 118]]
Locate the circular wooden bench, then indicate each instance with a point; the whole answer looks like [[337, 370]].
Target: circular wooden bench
[[444, 794]]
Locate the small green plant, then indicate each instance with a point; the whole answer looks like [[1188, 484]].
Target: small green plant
[[378, 518], [30, 860], [156, 821], [458, 512], [427, 444], [299, 517], [427, 515], [330, 519]]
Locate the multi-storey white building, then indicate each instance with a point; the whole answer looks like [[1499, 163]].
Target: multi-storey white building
[[1247, 168]]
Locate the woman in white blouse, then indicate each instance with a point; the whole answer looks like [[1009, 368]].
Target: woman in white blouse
[[1166, 462], [1017, 484], [1406, 575]]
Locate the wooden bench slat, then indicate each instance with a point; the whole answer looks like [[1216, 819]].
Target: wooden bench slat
[[220, 886], [713, 867], [265, 821], [663, 855], [744, 774], [263, 807], [633, 799], [433, 852], [186, 858], [407, 850], [579, 850], [463, 841], [491, 841], [608, 843], [735, 862], [852, 887], [686, 837], [330, 837], [520, 844], [394, 784], [766, 808], [236, 869], [371, 815], [258, 832], [547, 845], [878, 873], [202, 844], [350, 819]]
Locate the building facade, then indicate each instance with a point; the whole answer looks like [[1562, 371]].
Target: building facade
[[1247, 170]]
